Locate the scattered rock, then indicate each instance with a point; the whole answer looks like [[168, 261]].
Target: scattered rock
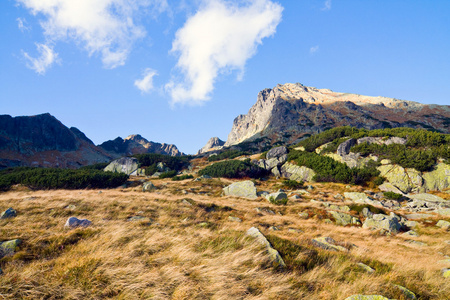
[[148, 186], [73, 222], [327, 243], [244, 189], [411, 233], [366, 297], [264, 210], [297, 173], [418, 216], [9, 213], [344, 219], [278, 198], [380, 221], [234, 219], [295, 230], [9, 247], [407, 293], [127, 165], [366, 268], [443, 224], [274, 256], [344, 148], [277, 152]]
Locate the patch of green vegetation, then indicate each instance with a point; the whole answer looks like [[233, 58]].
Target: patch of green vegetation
[[359, 208], [283, 201], [168, 174], [182, 177], [228, 154], [98, 166], [392, 195], [225, 241], [150, 160], [49, 178], [234, 169], [292, 184], [330, 170], [314, 141]]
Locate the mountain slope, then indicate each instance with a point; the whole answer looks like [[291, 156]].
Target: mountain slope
[[289, 112]]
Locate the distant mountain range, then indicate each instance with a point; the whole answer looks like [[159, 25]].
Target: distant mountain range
[[43, 141], [287, 113]]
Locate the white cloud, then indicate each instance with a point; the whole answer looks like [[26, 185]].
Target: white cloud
[[314, 49], [146, 83], [104, 27], [22, 24], [45, 60], [327, 5], [219, 38]]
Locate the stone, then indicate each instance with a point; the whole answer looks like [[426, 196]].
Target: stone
[[338, 197], [443, 224], [344, 148], [244, 189], [277, 152], [327, 243], [366, 268], [295, 230], [9, 213], [74, 222], [278, 198], [297, 173], [406, 180], [356, 197], [366, 297], [234, 219], [303, 215], [411, 233], [407, 293], [275, 172], [380, 221], [443, 211], [148, 186], [446, 273], [418, 216], [411, 224], [273, 254], [9, 247], [264, 210], [71, 207], [344, 219], [389, 187], [438, 179], [136, 218], [127, 165], [367, 213]]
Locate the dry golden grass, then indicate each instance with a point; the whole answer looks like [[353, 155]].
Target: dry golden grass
[[174, 256]]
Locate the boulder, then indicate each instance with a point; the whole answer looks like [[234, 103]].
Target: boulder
[[9, 213], [8, 247], [297, 173], [389, 187], [425, 197], [446, 273], [274, 256], [244, 189], [406, 180], [127, 165], [356, 197], [366, 268], [148, 186], [73, 222], [438, 179], [443, 224], [234, 219], [380, 221], [344, 148], [344, 219], [366, 297], [277, 198], [277, 152], [162, 167], [327, 243]]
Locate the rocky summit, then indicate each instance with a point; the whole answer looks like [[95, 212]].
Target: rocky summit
[[289, 112]]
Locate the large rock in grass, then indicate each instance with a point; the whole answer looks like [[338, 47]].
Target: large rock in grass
[[278, 198], [344, 219], [384, 222], [9, 213], [127, 165], [344, 148], [274, 256], [327, 243], [278, 153], [9, 247], [438, 179], [244, 189], [297, 173], [366, 297], [73, 222], [405, 179], [148, 186]]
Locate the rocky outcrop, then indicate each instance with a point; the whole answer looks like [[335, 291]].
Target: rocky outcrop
[[274, 257], [275, 157], [213, 144], [244, 189], [74, 222], [344, 148], [43, 141], [289, 112], [298, 173], [136, 144], [126, 165]]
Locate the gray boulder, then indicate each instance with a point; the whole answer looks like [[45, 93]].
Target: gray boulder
[[380, 221], [443, 224], [9, 247], [344, 148], [277, 152], [344, 219], [277, 198], [244, 189], [73, 222], [327, 243], [9, 213], [148, 186], [298, 173], [127, 165], [274, 256]]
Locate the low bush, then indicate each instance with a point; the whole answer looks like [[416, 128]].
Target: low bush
[[152, 159], [168, 174], [48, 178], [392, 195], [292, 184], [98, 166], [182, 177], [234, 169], [228, 154]]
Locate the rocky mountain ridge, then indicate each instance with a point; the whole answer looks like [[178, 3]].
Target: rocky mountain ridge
[[43, 141], [289, 112]]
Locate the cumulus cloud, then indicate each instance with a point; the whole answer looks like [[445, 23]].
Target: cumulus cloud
[[219, 38], [22, 24], [45, 60], [103, 27], [314, 49], [146, 83], [327, 5]]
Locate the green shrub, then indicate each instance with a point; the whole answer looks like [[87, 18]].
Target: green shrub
[[168, 174], [152, 159], [292, 184], [182, 177], [392, 195], [314, 141], [98, 166], [234, 169], [49, 178], [279, 201], [228, 154]]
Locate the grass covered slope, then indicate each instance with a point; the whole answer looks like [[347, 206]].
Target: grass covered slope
[[187, 247]]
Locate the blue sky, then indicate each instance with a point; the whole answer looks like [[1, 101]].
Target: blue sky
[[180, 71]]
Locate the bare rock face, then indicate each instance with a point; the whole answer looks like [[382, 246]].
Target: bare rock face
[[289, 112], [136, 144], [43, 141], [214, 143]]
